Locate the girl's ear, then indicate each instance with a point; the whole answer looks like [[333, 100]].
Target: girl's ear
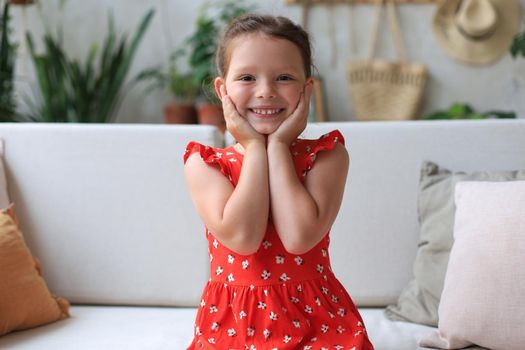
[[218, 83], [309, 85]]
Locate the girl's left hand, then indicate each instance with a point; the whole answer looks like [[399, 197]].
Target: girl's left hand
[[294, 125]]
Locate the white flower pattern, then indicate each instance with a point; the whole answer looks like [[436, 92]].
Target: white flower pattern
[[250, 331], [267, 334], [265, 275]]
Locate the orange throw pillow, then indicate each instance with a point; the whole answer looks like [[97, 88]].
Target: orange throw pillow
[[25, 300]]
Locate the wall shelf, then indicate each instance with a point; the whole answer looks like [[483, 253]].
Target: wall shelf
[[334, 2]]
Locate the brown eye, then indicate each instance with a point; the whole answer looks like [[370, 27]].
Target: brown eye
[[285, 78], [246, 78]]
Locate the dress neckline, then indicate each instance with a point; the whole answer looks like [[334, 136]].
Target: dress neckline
[[232, 147]]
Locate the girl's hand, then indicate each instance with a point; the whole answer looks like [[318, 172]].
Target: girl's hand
[[295, 124], [238, 127]]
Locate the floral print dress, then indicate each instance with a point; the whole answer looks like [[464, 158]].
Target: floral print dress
[[273, 299]]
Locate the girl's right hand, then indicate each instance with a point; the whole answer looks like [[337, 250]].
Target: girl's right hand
[[238, 127]]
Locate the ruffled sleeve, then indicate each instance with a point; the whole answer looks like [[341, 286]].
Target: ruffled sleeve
[[305, 151], [209, 155]]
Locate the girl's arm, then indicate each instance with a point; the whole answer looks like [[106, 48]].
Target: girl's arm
[[303, 213], [237, 216]]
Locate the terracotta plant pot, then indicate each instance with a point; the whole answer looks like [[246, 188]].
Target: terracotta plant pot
[[211, 114], [21, 2], [178, 113]]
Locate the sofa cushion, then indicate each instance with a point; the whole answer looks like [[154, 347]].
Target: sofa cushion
[[25, 301], [145, 328], [419, 300], [482, 301]]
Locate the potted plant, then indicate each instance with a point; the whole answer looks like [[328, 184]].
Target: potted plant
[[465, 111], [7, 60], [21, 2], [72, 91], [181, 109], [518, 45], [212, 18]]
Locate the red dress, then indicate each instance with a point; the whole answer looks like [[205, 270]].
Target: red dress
[[273, 299]]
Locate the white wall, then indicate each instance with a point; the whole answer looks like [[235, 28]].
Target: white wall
[[499, 86]]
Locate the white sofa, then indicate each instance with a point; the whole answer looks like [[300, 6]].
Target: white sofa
[[106, 210]]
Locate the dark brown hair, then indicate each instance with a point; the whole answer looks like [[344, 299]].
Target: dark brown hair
[[277, 27]]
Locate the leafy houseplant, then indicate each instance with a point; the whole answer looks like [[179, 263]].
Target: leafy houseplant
[[518, 45], [7, 60], [75, 92], [202, 46], [182, 108], [194, 87], [465, 111]]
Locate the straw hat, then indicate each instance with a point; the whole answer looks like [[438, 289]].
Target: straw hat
[[477, 31]]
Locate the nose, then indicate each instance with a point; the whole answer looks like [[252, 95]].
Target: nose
[[265, 89]]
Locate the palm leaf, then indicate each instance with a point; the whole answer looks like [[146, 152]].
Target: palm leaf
[[75, 92]]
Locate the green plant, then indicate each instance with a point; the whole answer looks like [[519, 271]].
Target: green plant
[[75, 92], [465, 111], [199, 49], [518, 45], [179, 84], [202, 44], [7, 60]]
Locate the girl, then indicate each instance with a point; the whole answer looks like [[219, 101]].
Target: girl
[[268, 202]]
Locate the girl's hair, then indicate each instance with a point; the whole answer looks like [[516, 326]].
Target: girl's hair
[[278, 27]]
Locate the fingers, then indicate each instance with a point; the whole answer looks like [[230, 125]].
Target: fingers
[[235, 123], [308, 92], [301, 111], [227, 105], [222, 90]]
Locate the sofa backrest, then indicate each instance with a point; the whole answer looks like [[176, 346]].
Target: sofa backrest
[[374, 239], [106, 209]]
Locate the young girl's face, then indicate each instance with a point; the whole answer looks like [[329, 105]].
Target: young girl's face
[[265, 79]]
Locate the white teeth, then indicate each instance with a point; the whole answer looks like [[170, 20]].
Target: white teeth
[[266, 111]]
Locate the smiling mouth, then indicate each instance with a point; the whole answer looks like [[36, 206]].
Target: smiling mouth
[[267, 112]]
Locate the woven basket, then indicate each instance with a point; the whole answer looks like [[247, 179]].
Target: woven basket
[[386, 90]]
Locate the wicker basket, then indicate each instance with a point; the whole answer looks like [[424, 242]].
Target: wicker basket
[[386, 90]]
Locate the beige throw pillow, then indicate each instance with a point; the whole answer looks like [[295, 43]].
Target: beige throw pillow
[[483, 297], [419, 300], [25, 300]]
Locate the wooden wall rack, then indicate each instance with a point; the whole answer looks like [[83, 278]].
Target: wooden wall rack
[[331, 2]]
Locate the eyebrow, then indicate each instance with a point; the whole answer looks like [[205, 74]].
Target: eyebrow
[[285, 68]]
